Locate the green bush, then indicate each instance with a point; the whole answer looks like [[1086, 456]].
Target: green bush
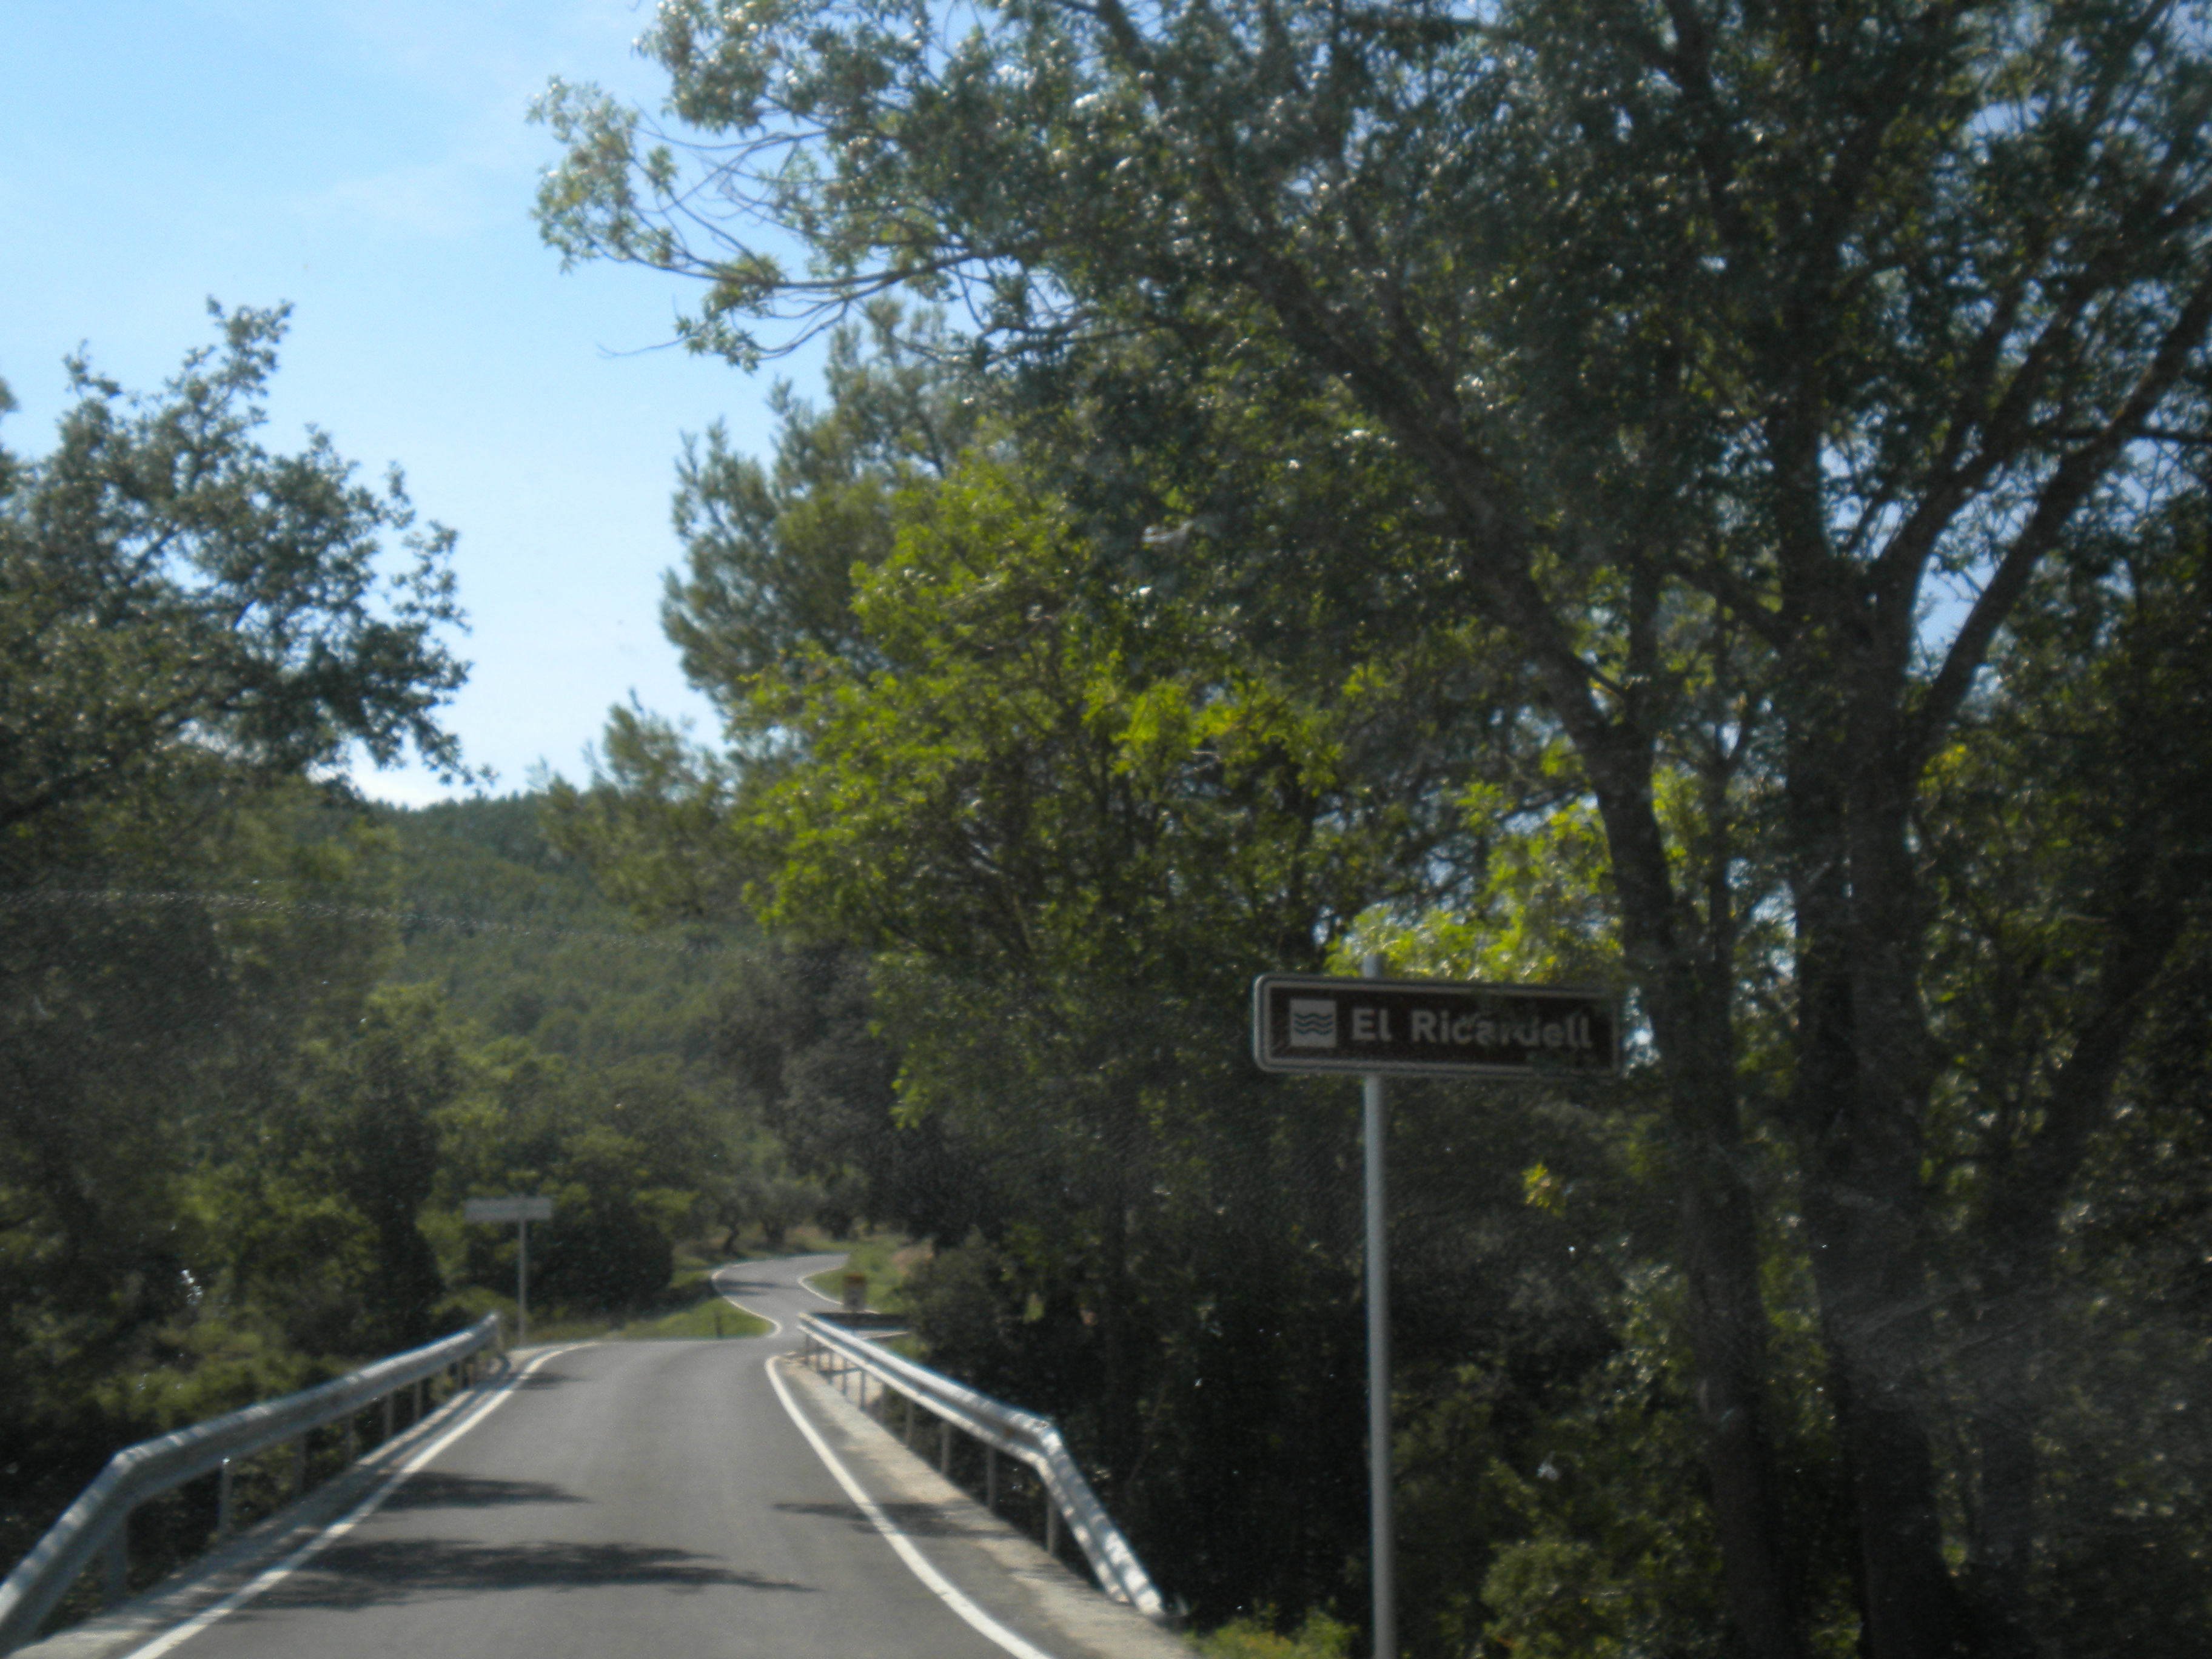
[[1319, 1636]]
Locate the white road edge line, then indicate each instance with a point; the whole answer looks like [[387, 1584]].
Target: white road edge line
[[267, 1581], [822, 1295], [775, 1325], [982, 1621]]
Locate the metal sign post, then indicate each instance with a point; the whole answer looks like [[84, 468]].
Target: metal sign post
[[1371, 1026], [1382, 1531], [521, 1212]]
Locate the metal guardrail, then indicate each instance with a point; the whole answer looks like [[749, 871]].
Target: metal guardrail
[[1023, 1436], [96, 1522]]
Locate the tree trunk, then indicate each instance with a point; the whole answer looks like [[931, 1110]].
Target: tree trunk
[[1857, 1100], [1875, 1319], [1692, 1027], [2008, 1307], [2018, 1231], [1121, 1427], [1727, 1333]]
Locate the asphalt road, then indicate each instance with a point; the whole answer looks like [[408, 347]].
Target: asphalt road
[[646, 1498]]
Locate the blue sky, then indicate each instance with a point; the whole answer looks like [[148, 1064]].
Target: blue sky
[[370, 162]]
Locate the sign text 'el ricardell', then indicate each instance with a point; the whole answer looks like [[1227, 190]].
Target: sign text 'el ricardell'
[[1302, 1022]]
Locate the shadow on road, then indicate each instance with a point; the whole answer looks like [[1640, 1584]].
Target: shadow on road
[[915, 1519], [351, 1575], [538, 1379], [428, 1489]]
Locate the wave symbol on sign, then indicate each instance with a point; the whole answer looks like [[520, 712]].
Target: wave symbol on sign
[[1313, 1023]]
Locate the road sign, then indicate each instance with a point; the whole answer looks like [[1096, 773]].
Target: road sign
[[1373, 1025], [507, 1209], [1305, 1023], [523, 1212]]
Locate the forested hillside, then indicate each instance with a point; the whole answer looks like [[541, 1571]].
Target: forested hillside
[[520, 942]]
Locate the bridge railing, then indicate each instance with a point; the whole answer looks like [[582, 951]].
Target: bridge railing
[[1024, 1436], [97, 1524]]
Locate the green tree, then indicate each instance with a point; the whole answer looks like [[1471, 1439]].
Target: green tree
[[1064, 812], [1722, 339], [344, 1180], [2071, 853], [191, 628], [186, 621], [154, 1017], [771, 551], [625, 1151], [797, 1031], [170, 589]]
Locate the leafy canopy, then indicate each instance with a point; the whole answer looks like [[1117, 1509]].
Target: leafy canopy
[[172, 593]]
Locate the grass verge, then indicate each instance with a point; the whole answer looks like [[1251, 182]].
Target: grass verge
[[689, 1309], [886, 1262]]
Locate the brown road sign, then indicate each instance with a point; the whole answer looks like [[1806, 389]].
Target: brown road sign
[[507, 1209], [1304, 1022]]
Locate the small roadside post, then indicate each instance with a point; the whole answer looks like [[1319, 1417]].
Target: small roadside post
[[521, 1212], [1371, 1026]]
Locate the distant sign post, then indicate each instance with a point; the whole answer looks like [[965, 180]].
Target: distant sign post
[[1371, 1026], [521, 1212]]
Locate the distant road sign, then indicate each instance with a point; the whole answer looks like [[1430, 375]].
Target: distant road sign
[[507, 1209], [1305, 1023]]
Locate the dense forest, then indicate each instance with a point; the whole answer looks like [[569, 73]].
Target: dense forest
[[1707, 500]]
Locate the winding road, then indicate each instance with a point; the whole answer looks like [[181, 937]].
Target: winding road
[[675, 1498]]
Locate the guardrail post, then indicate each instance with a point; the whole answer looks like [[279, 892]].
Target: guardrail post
[[908, 1436], [1051, 1528], [945, 1447], [991, 1478], [417, 1416], [223, 1506], [388, 1417], [116, 1566], [353, 1437]]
